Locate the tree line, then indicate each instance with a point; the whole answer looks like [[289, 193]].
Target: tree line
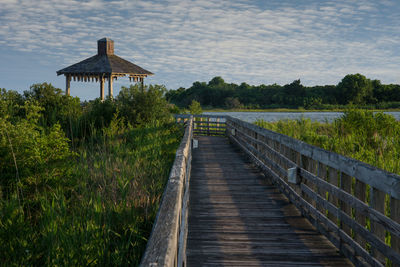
[[353, 89]]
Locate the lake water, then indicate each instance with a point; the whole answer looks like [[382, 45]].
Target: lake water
[[276, 116]]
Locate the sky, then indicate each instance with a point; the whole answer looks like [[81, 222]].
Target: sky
[[183, 41]]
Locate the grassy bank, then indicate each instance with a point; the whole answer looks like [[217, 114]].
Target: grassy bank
[[84, 188], [360, 134], [299, 110]]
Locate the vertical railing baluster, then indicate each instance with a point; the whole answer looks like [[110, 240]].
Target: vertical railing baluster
[[377, 202], [395, 216], [345, 184], [360, 193]]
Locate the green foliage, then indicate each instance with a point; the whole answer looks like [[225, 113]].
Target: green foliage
[[140, 106], [91, 201], [360, 134], [57, 107], [11, 103], [232, 103], [354, 89], [195, 108], [30, 154], [98, 114]]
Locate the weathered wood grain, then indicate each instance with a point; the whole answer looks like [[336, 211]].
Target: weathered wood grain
[[377, 199], [388, 182], [240, 220], [360, 193], [345, 185], [166, 245], [359, 205], [349, 205], [395, 215]]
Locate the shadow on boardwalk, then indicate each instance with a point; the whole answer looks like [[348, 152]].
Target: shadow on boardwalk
[[236, 218]]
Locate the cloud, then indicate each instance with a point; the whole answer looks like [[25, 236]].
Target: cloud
[[256, 42]]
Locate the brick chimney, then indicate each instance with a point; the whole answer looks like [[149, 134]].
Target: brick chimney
[[105, 46]]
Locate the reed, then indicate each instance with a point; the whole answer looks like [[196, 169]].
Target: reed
[[82, 193], [360, 134]]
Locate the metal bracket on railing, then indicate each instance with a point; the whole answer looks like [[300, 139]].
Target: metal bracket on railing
[[195, 143], [293, 175]]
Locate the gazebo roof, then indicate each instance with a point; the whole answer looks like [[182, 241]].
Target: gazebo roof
[[105, 62], [103, 66]]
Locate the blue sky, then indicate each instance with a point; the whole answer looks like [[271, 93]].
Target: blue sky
[[183, 41]]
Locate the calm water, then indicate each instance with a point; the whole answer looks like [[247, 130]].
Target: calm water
[[276, 116]]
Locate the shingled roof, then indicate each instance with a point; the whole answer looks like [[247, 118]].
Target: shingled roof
[[103, 66], [104, 63]]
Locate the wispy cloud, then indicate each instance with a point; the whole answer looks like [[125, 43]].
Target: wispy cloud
[[187, 40]]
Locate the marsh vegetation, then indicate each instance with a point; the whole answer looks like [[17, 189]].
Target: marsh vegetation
[[81, 182]]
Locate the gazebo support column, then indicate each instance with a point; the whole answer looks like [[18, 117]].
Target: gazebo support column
[[105, 66], [67, 84], [110, 86], [102, 88]]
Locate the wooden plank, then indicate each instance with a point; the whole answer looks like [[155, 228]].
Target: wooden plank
[[377, 243], [163, 245], [360, 193], [333, 180], [378, 203], [345, 184], [305, 164], [322, 174], [395, 215], [364, 209], [246, 225], [387, 182], [307, 210], [210, 126]]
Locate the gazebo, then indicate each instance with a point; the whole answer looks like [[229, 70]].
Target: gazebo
[[101, 67]]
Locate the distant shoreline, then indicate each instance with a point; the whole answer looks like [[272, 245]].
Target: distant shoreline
[[293, 110]]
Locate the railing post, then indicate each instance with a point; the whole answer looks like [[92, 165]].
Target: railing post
[[377, 201], [208, 126], [345, 184], [395, 216], [360, 193], [334, 195]]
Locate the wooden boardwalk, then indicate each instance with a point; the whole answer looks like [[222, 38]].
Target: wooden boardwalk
[[237, 219]]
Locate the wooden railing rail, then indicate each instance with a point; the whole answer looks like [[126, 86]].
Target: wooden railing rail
[[167, 243], [205, 124], [355, 205]]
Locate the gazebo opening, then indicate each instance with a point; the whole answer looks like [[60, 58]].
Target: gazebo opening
[[105, 66]]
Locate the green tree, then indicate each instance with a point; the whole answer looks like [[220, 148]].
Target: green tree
[[356, 89], [139, 106], [195, 108], [216, 81], [57, 107], [30, 153], [232, 102]]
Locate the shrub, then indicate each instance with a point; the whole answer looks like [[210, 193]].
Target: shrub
[[30, 153], [195, 107], [57, 107], [141, 106]]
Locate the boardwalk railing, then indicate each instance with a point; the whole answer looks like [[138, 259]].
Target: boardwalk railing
[[167, 243], [205, 124], [355, 205]]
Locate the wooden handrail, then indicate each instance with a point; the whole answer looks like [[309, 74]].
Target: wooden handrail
[[331, 190], [205, 124], [167, 243]]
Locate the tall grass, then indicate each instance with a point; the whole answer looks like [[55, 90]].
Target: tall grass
[[360, 134], [102, 211], [81, 193]]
